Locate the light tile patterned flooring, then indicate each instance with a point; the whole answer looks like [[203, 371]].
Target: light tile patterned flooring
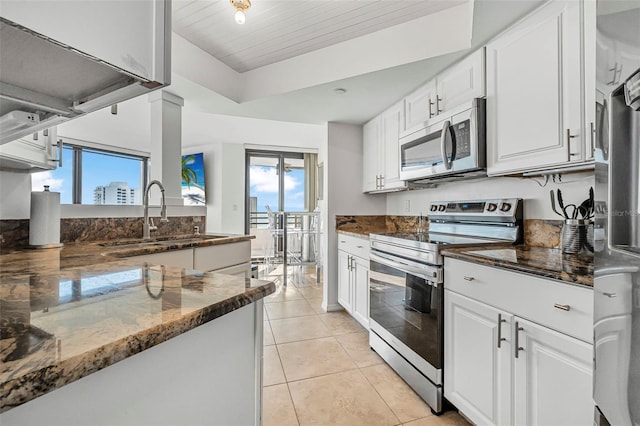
[[319, 369]]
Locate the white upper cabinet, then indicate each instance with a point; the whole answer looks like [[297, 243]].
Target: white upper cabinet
[[381, 150], [462, 82], [370, 155], [534, 109], [127, 34], [419, 106], [31, 153], [458, 84]]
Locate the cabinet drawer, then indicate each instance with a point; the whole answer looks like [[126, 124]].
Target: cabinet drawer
[[221, 256], [526, 296], [354, 245]]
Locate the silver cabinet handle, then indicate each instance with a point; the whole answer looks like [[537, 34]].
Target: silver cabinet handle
[[443, 145], [381, 181], [593, 139], [569, 137], [609, 295], [430, 105], [59, 159], [438, 100], [562, 307], [360, 246], [517, 340], [468, 278], [500, 338], [353, 261]]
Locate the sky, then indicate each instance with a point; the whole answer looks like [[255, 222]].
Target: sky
[[264, 185], [97, 170]]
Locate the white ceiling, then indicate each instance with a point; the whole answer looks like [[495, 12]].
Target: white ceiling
[[281, 29], [210, 26]]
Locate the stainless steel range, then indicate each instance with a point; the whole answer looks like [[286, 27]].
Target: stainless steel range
[[406, 282]]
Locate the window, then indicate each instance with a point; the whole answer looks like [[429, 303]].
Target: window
[[95, 176]]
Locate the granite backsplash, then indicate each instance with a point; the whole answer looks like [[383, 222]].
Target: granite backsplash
[[537, 232], [15, 233]]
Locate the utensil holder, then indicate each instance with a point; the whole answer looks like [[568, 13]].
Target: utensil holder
[[577, 236]]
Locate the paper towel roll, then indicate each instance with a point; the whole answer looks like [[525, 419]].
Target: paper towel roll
[[44, 224]]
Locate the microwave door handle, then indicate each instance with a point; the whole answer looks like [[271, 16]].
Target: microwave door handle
[[443, 145]]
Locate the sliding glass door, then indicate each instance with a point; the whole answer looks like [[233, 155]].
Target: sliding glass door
[[280, 182]]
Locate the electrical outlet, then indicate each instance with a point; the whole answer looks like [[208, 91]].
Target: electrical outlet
[[407, 206]]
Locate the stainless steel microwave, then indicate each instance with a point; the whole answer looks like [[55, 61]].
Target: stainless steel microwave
[[451, 144]]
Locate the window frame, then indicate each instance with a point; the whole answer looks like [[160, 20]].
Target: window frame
[[79, 146]]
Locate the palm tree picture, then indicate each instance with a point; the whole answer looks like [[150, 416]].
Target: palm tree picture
[[188, 174]]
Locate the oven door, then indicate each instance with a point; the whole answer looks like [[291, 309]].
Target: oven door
[[405, 308]]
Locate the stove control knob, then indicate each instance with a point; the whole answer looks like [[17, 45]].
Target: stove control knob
[[434, 207], [492, 207], [441, 207], [505, 207]]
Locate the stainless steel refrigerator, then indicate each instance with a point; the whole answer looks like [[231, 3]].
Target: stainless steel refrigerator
[[617, 222]]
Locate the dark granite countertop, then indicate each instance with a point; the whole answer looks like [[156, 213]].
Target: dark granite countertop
[[68, 312], [543, 262]]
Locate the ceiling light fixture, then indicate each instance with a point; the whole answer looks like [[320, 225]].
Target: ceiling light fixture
[[240, 6]]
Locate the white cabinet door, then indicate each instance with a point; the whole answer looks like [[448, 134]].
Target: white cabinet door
[[590, 85], [30, 154], [477, 373], [361, 291], [533, 92], [391, 122], [370, 155], [462, 82], [128, 34], [211, 258], [345, 293], [420, 105], [552, 377], [176, 258]]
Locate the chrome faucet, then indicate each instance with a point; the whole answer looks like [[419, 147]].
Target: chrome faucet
[[148, 225]]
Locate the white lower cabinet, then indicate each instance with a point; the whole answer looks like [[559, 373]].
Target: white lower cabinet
[[552, 377], [230, 259], [503, 369], [353, 277], [477, 372]]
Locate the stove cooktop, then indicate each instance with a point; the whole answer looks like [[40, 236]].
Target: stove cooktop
[[434, 239]]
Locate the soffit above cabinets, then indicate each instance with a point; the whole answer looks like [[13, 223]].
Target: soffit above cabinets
[[277, 30]]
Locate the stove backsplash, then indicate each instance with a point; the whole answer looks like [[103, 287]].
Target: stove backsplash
[[537, 232]]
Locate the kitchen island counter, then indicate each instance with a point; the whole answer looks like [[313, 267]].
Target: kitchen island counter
[[69, 312]]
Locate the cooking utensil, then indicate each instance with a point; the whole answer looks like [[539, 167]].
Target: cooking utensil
[[553, 204], [561, 204], [573, 209]]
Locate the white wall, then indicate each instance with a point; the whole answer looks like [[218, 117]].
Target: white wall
[[223, 141], [537, 205], [15, 193], [343, 196]]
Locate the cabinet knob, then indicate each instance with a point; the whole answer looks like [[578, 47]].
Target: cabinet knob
[[469, 278]]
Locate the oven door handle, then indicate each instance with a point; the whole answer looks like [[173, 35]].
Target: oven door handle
[[428, 273]]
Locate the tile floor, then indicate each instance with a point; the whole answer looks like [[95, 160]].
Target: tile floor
[[319, 369]]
